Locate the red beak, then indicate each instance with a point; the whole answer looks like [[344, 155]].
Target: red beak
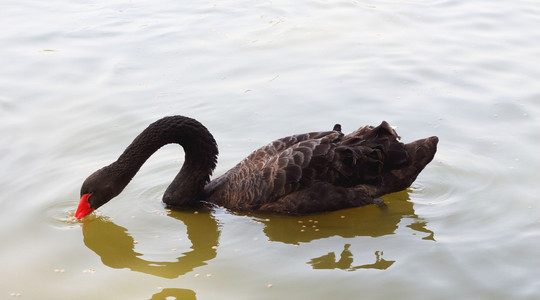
[[84, 207]]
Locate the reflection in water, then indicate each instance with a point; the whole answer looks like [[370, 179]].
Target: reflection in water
[[379, 263], [421, 227], [366, 221], [116, 247], [183, 294], [328, 261]]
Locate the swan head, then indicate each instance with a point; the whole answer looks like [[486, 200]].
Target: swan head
[[98, 189]]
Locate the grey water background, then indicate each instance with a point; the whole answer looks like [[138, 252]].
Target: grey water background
[[80, 79]]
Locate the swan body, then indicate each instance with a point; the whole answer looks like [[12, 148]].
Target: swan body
[[298, 174]]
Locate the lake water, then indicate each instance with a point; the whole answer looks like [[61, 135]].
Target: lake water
[[80, 79]]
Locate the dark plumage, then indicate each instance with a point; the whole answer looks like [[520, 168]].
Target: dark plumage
[[304, 173]]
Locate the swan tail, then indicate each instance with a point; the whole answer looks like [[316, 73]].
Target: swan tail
[[419, 154], [375, 156]]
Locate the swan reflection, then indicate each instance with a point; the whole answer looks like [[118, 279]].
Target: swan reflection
[[370, 221], [328, 261], [116, 247], [183, 294]]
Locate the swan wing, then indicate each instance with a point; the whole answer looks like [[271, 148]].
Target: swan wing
[[321, 171], [294, 162], [361, 157]]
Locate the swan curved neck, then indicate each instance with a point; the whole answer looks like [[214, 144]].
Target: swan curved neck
[[200, 150]]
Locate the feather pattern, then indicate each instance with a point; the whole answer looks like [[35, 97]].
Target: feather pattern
[[321, 171]]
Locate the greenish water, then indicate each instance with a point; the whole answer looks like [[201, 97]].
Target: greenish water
[[79, 80]]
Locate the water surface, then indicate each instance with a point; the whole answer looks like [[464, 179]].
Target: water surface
[[80, 80]]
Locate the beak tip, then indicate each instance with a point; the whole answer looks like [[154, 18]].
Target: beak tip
[[84, 207]]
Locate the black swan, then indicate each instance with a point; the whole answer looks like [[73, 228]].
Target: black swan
[[299, 174]]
